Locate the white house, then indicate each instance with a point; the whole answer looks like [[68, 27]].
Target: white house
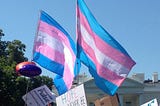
[[131, 93]]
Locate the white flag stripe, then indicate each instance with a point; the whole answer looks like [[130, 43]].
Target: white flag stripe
[[101, 58], [44, 38]]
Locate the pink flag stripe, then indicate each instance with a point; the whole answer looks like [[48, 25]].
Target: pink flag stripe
[[108, 50], [68, 76], [54, 32], [44, 38], [50, 53], [69, 59], [108, 76], [102, 58]]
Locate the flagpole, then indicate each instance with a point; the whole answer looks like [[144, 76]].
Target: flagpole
[[77, 74], [76, 49], [118, 99], [28, 82]]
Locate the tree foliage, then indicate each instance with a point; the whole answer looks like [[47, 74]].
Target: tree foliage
[[12, 86]]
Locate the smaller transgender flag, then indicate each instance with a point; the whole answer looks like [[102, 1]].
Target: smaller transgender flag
[[107, 60], [55, 51]]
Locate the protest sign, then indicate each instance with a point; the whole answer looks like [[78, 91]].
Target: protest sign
[[74, 97], [151, 103], [40, 96]]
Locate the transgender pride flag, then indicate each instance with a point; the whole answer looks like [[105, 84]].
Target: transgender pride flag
[[107, 60], [55, 51]]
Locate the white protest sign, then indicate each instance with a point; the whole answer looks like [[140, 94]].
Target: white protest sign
[[74, 97], [40, 96], [151, 103]]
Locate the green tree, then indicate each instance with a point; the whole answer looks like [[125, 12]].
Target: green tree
[[1, 33], [12, 86]]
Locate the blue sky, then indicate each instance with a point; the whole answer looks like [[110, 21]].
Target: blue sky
[[135, 24]]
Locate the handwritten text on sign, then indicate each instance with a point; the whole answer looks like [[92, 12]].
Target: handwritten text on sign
[[40, 96], [74, 97]]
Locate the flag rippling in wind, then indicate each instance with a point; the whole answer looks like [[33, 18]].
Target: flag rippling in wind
[[107, 60], [55, 51]]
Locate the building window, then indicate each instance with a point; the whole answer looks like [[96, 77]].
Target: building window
[[128, 104]]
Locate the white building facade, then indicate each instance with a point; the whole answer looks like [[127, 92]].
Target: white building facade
[[130, 93]]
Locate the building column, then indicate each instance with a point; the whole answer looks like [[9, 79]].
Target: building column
[[140, 99], [120, 100]]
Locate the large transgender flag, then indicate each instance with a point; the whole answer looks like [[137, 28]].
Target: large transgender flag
[[55, 51], [107, 60]]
